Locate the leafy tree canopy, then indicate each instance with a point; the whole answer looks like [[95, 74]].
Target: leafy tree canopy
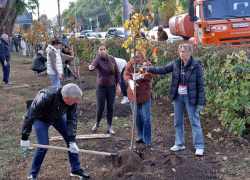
[[21, 6]]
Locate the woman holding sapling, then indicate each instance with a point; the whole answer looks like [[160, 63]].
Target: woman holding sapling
[[143, 96]]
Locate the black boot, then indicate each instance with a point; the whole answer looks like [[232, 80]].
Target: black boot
[[80, 174]]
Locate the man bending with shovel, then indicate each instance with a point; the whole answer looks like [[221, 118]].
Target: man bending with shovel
[[56, 106]]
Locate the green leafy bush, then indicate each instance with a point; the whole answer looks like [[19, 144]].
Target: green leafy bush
[[233, 92]]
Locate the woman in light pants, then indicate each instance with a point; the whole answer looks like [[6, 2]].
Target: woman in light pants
[[187, 91]]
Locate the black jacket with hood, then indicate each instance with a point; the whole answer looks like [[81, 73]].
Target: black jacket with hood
[[38, 63], [48, 106], [195, 80]]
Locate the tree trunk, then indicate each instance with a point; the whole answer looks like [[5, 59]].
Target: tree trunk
[[5, 10], [13, 17]]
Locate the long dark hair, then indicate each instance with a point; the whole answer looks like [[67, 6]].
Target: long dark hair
[[110, 64]]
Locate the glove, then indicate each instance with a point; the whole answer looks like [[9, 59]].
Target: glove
[[145, 68], [137, 76], [67, 66], [73, 146], [132, 85], [199, 108], [25, 143]]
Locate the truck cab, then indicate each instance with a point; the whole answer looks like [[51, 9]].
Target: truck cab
[[222, 21], [217, 22]]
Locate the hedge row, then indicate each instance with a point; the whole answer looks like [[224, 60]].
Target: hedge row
[[226, 73]]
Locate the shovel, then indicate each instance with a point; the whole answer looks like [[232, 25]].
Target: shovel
[[67, 66], [69, 149]]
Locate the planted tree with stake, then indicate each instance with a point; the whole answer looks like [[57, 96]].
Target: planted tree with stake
[[136, 43]]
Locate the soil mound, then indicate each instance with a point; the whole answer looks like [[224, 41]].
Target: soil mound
[[126, 162]]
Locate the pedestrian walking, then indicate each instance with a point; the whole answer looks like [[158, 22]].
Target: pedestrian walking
[[5, 59], [12, 43], [23, 46], [16, 43]]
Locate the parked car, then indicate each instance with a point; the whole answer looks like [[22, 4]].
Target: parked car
[[90, 35], [100, 35], [72, 34], [83, 36], [152, 32], [171, 37], [85, 32], [115, 32], [119, 32]]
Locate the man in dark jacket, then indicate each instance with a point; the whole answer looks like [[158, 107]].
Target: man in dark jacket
[[56, 106], [16, 42], [5, 58], [38, 64], [162, 35]]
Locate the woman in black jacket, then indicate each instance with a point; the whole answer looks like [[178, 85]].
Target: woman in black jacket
[[187, 90], [67, 63]]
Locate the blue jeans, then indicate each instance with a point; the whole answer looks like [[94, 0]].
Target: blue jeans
[[143, 120], [16, 46], [123, 84], [180, 102], [12, 47], [41, 129], [55, 81], [6, 71], [103, 93]]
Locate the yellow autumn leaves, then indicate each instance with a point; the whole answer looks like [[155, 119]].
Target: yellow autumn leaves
[[136, 26]]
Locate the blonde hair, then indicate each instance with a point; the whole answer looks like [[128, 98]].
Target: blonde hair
[[142, 54], [186, 47]]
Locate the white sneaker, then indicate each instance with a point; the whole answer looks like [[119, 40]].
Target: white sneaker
[[125, 100], [110, 130], [94, 128], [177, 148], [199, 152]]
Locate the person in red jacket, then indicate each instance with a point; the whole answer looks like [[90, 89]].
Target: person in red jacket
[[143, 96], [162, 35]]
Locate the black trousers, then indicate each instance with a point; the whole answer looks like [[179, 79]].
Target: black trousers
[[104, 93], [123, 84]]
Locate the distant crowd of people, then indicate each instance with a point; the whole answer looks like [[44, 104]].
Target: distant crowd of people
[[56, 105]]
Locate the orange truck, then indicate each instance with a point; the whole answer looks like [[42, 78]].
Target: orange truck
[[214, 22]]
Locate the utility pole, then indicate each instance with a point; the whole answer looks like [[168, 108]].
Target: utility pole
[[38, 13], [75, 19], [125, 14], [59, 20]]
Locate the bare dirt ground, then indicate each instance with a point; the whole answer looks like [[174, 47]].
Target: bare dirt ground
[[226, 156]]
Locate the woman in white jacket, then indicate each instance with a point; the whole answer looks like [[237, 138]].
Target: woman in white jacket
[[23, 46], [54, 61]]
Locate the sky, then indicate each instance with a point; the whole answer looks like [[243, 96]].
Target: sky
[[50, 7]]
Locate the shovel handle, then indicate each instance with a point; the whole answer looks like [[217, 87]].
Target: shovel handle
[[69, 149]]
